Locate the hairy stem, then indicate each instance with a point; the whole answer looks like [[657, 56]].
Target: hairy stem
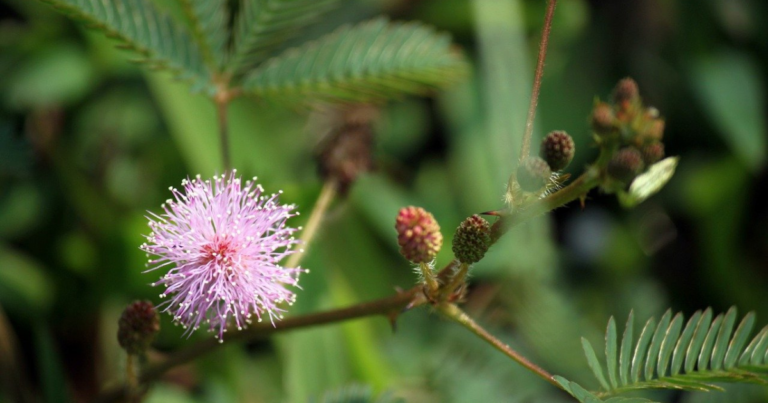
[[454, 313], [315, 218], [389, 306], [525, 149]]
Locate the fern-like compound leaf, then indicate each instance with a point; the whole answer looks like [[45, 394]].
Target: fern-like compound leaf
[[371, 61], [694, 357], [209, 19], [262, 26], [158, 39]]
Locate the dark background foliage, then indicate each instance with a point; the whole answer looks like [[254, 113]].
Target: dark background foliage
[[89, 142]]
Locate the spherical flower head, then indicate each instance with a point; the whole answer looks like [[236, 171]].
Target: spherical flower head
[[533, 174], [137, 327], [418, 234], [625, 165], [652, 153], [222, 241], [603, 119], [558, 149], [472, 239], [626, 91]]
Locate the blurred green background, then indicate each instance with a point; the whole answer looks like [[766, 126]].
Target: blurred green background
[[90, 141]]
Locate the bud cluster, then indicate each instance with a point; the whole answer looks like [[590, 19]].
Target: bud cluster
[[632, 131]]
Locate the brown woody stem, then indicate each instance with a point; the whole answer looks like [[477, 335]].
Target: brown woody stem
[[454, 313]]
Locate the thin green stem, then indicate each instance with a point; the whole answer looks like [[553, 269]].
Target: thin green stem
[[525, 149], [221, 114], [455, 282], [454, 313], [315, 218], [429, 278], [131, 380], [389, 306]]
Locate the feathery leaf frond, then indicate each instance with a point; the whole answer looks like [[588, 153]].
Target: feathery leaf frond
[[690, 357], [209, 20], [370, 61], [141, 27], [262, 26]]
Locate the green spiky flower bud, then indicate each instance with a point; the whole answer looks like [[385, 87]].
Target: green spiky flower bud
[[418, 234], [137, 327], [558, 150], [533, 174], [625, 165], [472, 239]]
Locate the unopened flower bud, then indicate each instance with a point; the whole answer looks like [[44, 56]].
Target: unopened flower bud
[[652, 153], [625, 92], [137, 327], [558, 149], [533, 174], [603, 119], [348, 151], [625, 165], [418, 234], [472, 239]]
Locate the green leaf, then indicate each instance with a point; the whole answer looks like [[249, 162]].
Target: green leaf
[[262, 27], [209, 20], [739, 338], [655, 348], [355, 394], [713, 343], [370, 61], [626, 349], [732, 76], [159, 40], [678, 355], [610, 351], [649, 183], [692, 353], [641, 347], [594, 364]]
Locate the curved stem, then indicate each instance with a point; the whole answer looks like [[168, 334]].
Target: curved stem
[[525, 149], [315, 218], [454, 313], [390, 306]]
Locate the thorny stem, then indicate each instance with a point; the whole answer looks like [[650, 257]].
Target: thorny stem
[[315, 218], [525, 149], [389, 306], [454, 313]]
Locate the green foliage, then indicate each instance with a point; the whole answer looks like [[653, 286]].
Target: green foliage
[[369, 61], [355, 394], [262, 26], [159, 40], [670, 356], [209, 19]]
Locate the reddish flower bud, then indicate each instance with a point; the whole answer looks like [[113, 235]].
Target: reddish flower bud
[[625, 92], [625, 165], [472, 239], [652, 153], [137, 327], [418, 234], [655, 130], [603, 120], [533, 174], [558, 150]]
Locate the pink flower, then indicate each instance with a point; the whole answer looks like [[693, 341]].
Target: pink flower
[[222, 242]]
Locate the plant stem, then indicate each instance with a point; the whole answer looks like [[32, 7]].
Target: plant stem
[[221, 113], [315, 218], [131, 380], [454, 313], [390, 306], [525, 149], [578, 188]]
